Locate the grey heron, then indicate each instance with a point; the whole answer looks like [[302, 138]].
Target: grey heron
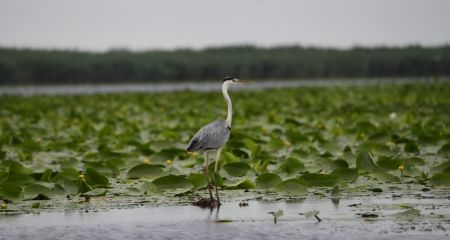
[[213, 136]]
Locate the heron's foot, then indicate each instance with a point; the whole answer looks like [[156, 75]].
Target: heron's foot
[[207, 203]]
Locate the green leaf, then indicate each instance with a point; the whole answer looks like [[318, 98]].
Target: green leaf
[[70, 186], [445, 149], [198, 180], [245, 184], [236, 169], [95, 192], [268, 180], [11, 192], [148, 187], [293, 186], [388, 163], [58, 189], [68, 173], [411, 147], [415, 161], [229, 157], [320, 180], [364, 161], [172, 182], [95, 179], [46, 175], [83, 186], [340, 163], [440, 179], [30, 146], [19, 179], [146, 171], [346, 174], [441, 167], [168, 154], [70, 163], [33, 190], [254, 147], [384, 177], [14, 167], [291, 166]]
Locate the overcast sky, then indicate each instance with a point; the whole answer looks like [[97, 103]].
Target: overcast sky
[[149, 24]]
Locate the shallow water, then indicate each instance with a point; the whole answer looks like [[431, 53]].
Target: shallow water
[[194, 86], [339, 221]]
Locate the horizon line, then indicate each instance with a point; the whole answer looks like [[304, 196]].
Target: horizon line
[[223, 46]]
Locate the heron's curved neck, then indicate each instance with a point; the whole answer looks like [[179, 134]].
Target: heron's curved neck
[[228, 100]]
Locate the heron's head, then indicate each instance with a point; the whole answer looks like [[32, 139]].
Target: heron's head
[[235, 80]]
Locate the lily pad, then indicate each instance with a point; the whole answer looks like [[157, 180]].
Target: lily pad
[[346, 174], [293, 186], [18, 179], [237, 169], [365, 162], [198, 180], [36, 189], [95, 179], [146, 171], [441, 179], [388, 163], [148, 187], [244, 184], [172, 182], [68, 173], [444, 149], [11, 192], [384, 177], [268, 180], [411, 147], [95, 192], [320, 180], [291, 166]]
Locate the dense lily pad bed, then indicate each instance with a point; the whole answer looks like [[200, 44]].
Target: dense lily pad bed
[[68, 153]]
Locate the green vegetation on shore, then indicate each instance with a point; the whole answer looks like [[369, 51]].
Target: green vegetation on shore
[[25, 66]]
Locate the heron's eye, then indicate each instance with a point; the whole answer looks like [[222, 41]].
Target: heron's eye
[[228, 78]]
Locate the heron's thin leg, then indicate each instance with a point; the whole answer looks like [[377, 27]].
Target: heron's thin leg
[[215, 172], [206, 174], [217, 159]]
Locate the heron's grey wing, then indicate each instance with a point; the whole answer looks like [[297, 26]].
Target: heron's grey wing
[[211, 136]]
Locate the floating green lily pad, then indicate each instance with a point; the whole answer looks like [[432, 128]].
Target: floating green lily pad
[[237, 169], [172, 182], [268, 180], [146, 171]]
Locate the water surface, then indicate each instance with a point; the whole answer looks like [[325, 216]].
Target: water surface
[[194, 86], [340, 220]]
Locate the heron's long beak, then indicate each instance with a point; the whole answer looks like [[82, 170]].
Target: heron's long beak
[[239, 81]]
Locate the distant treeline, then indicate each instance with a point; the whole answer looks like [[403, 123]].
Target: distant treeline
[[25, 66]]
